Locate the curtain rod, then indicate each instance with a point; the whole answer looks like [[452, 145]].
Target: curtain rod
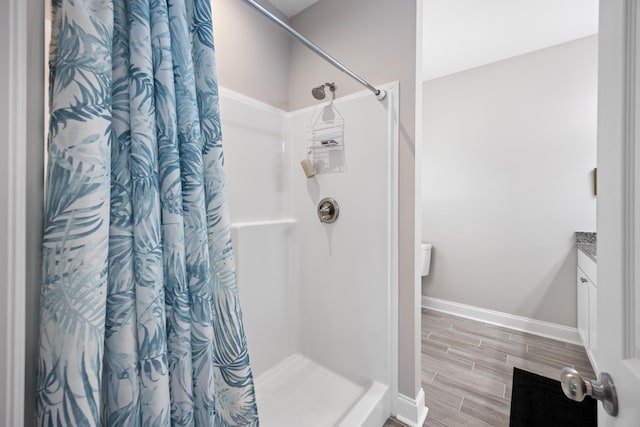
[[380, 94]]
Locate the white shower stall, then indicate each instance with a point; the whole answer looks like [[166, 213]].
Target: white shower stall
[[319, 300]]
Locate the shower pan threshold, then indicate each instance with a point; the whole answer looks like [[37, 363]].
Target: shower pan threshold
[[299, 391]]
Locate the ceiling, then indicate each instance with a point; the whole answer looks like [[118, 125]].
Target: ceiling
[[463, 34], [292, 7]]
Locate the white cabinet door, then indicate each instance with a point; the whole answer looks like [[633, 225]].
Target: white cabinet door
[[592, 290], [583, 308]]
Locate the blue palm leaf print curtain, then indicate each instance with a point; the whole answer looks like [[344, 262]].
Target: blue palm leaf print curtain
[[140, 320]]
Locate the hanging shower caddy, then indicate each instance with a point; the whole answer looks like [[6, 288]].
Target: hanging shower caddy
[[326, 150]]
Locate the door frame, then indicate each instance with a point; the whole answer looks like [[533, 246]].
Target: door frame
[[21, 203], [13, 128]]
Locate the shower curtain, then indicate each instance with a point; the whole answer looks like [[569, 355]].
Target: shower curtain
[[140, 323]]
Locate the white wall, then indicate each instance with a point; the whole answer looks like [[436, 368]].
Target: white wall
[[257, 171], [378, 40], [256, 158], [268, 294], [252, 54], [508, 152]]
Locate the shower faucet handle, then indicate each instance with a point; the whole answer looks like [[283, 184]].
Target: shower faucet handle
[[328, 210]]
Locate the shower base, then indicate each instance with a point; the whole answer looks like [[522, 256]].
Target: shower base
[[299, 392]]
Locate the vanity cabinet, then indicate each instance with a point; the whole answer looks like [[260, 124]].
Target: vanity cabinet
[[587, 305], [583, 308]]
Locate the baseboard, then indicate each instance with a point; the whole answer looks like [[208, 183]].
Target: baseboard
[[592, 360], [519, 323], [411, 412]]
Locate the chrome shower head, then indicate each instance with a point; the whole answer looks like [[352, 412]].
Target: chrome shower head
[[319, 93]]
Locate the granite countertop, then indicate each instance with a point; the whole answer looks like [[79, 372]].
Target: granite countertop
[[587, 242]]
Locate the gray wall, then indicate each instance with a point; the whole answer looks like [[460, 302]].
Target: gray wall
[[376, 39], [508, 153], [252, 53]]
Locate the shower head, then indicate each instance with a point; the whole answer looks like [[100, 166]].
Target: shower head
[[319, 93]]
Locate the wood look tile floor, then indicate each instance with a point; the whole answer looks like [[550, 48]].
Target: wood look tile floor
[[467, 368]]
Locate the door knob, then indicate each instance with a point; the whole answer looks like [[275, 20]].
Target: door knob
[[575, 388]]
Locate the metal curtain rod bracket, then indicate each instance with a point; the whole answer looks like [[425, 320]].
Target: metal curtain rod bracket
[[380, 94]]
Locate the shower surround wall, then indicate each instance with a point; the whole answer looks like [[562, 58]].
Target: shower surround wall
[[318, 299], [381, 41]]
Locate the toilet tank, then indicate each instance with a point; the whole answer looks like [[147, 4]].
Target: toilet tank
[[425, 258]]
